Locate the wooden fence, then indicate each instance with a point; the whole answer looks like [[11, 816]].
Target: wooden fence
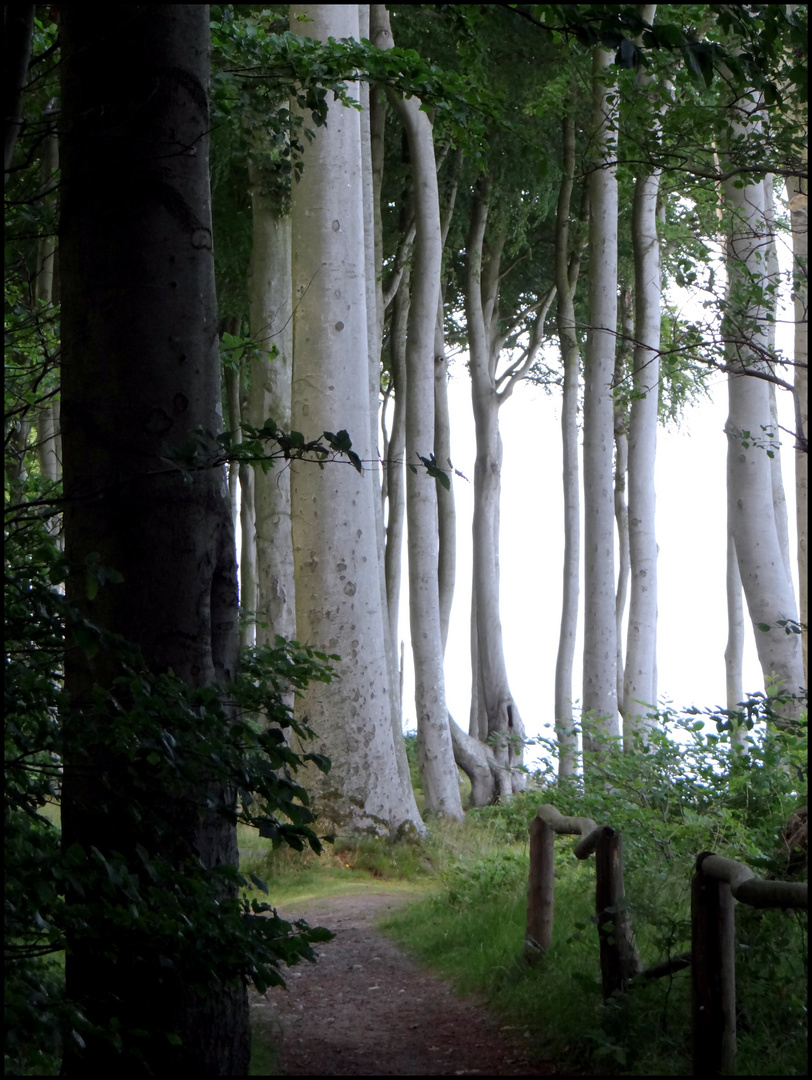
[[715, 884]]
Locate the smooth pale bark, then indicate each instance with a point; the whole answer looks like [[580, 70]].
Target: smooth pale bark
[[750, 489], [621, 429], [639, 686], [434, 748], [140, 370], [734, 649], [566, 277], [395, 468], [599, 697], [492, 701], [773, 274], [446, 507], [271, 325], [798, 206], [335, 541], [373, 248]]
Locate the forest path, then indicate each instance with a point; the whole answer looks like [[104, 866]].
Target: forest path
[[366, 1009]]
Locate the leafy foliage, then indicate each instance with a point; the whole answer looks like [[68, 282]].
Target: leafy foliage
[[139, 902]]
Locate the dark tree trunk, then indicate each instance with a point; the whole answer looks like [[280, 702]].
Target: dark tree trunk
[[141, 372]]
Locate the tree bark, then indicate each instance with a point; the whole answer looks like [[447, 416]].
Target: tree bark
[[621, 430], [435, 751], [600, 703], [335, 542], [750, 488], [140, 369], [566, 277], [639, 687], [271, 324], [797, 190]]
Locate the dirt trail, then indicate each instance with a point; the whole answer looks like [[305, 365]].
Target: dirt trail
[[366, 1009]]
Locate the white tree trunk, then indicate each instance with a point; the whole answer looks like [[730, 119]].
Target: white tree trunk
[[750, 489], [335, 542], [798, 206], [438, 771], [639, 688], [621, 429], [270, 304], [566, 278], [600, 703]]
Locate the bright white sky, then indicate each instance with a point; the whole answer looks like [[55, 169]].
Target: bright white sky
[[691, 531]]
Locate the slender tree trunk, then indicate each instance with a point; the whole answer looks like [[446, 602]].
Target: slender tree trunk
[[335, 542], [49, 451], [435, 751], [489, 671], [446, 508], [797, 190], [640, 680], [600, 703], [271, 324], [140, 369], [395, 474], [249, 591], [570, 362], [373, 247], [621, 430]]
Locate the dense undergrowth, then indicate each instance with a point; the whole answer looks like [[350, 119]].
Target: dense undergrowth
[[690, 791]]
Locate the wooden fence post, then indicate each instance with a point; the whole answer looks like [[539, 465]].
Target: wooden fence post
[[619, 958], [713, 974], [540, 890]]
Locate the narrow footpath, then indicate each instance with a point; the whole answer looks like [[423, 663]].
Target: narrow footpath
[[366, 1009]]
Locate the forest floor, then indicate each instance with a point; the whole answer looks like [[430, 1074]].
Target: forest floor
[[366, 1009]]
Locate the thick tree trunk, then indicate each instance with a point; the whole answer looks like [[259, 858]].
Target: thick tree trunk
[[140, 369], [271, 324], [335, 542], [600, 703]]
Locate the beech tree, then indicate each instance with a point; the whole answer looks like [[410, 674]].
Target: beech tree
[[762, 566], [140, 368], [435, 752], [639, 694], [600, 703], [335, 545]]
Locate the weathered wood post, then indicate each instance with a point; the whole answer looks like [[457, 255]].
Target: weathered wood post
[[540, 890], [713, 974], [547, 822], [619, 957]]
